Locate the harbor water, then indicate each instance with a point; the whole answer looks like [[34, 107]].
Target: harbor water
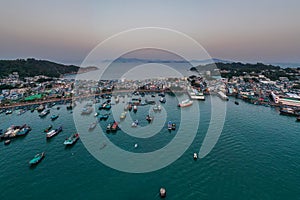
[[256, 157]]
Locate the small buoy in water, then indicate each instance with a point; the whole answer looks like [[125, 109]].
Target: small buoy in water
[[195, 156], [162, 192], [136, 145]]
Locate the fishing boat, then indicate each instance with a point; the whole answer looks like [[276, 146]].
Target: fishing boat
[[135, 108], [46, 130], [156, 108], [185, 103], [92, 126], [87, 110], [108, 127], [103, 116], [135, 123], [195, 156], [162, 100], [173, 126], [123, 115], [7, 142], [54, 117], [40, 108], [24, 131], [288, 111], [53, 132], [44, 113], [149, 118], [37, 159], [71, 140], [114, 127], [170, 125], [8, 112]]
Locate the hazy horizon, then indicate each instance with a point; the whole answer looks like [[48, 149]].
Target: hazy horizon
[[66, 31]]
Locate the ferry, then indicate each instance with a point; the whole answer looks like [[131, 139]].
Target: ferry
[[46, 130], [37, 159], [195, 94], [53, 132], [71, 140], [185, 103], [44, 113]]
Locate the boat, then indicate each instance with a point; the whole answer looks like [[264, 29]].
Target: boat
[[87, 110], [37, 159], [162, 100], [24, 131], [236, 102], [156, 108], [170, 125], [162, 192], [161, 94], [7, 142], [223, 96], [21, 112], [103, 116], [40, 108], [54, 117], [53, 132], [149, 118], [44, 113], [8, 112], [288, 111], [149, 102], [117, 99], [71, 140], [135, 123], [108, 127], [195, 94], [114, 127], [185, 103], [123, 115], [135, 108], [129, 107], [46, 130], [105, 106], [298, 119], [195, 156], [92, 126], [173, 126]]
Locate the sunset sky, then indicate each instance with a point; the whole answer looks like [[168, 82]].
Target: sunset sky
[[67, 30]]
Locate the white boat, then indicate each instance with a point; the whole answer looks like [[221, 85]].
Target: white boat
[[135, 123], [196, 95], [123, 115], [195, 156], [223, 96], [157, 107], [185, 103]]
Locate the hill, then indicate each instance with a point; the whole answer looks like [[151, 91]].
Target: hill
[[31, 67]]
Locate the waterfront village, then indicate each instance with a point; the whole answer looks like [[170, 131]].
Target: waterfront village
[[257, 89]]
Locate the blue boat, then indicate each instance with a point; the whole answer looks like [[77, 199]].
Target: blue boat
[[170, 125], [24, 131], [54, 117], [37, 159]]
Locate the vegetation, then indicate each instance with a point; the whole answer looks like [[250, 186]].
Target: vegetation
[[32, 67], [227, 70]]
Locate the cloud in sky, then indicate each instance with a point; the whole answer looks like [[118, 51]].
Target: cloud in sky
[[67, 30]]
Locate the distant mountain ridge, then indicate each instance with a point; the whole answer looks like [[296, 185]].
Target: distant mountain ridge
[[31, 67]]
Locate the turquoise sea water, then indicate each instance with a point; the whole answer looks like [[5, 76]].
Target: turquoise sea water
[[256, 157]]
